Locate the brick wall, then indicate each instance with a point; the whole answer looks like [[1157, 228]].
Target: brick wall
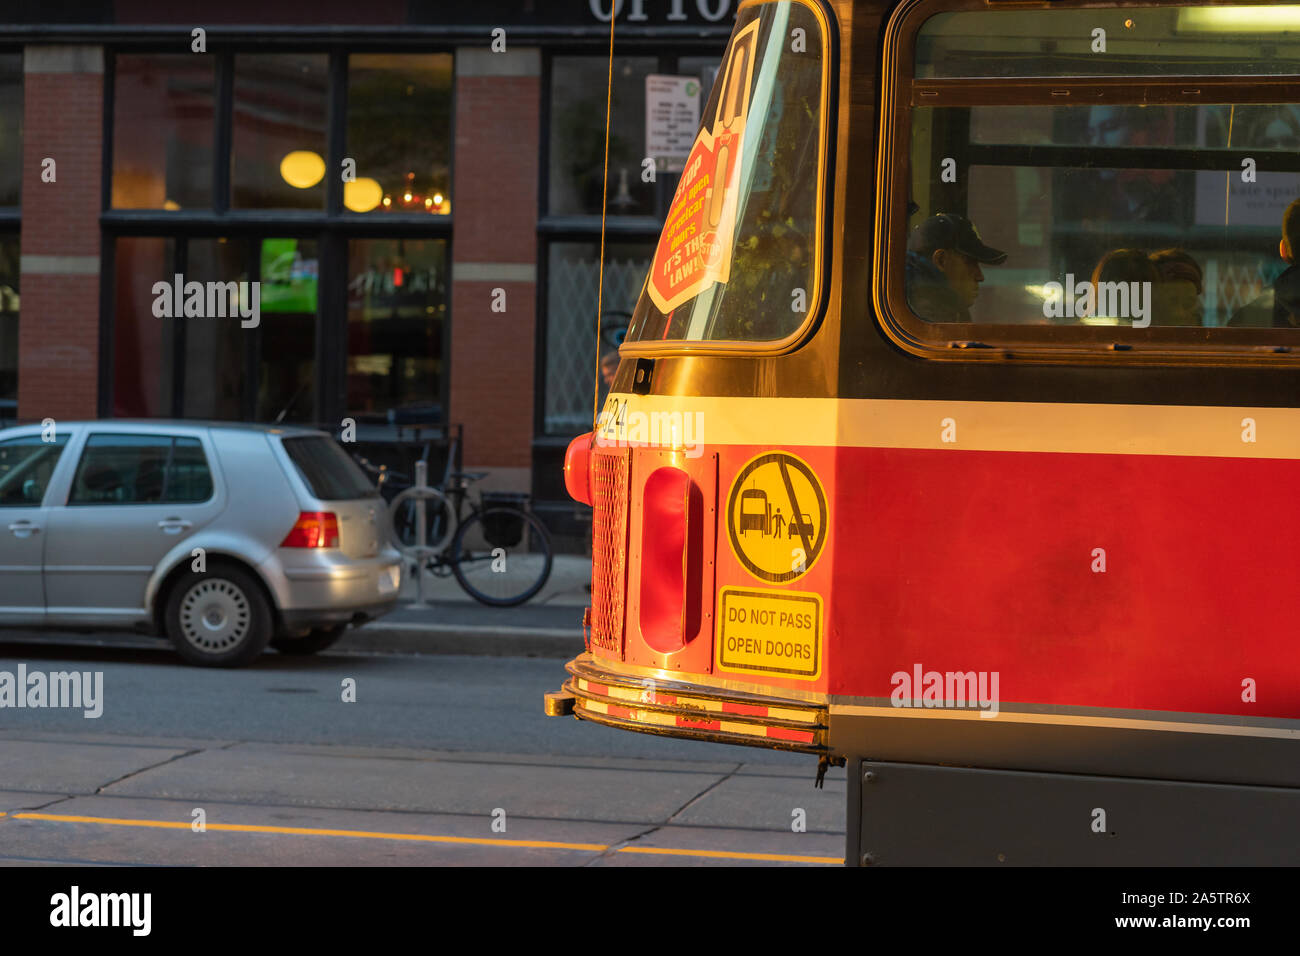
[[494, 202], [58, 328]]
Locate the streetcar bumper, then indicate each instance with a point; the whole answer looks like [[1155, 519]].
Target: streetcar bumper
[[674, 708]]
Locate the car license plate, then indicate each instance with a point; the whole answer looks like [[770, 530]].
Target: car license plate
[[389, 579]]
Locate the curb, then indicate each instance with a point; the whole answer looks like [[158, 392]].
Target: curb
[[484, 640]]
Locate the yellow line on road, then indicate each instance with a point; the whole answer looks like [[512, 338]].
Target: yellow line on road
[[423, 838], [734, 855], [310, 831]]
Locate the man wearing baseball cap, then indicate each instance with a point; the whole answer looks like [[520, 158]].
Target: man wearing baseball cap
[[943, 272]]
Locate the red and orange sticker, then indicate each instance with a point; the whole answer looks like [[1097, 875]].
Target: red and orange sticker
[[694, 250]]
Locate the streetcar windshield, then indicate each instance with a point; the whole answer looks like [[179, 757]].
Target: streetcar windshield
[[738, 257]]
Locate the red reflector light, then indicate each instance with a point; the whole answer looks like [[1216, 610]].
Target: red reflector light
[[577, 469], [314, 529]]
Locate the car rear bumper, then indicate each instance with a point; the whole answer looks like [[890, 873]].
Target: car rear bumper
[[324, 587]]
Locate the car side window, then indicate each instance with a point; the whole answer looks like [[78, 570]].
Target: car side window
[[26, 466], [141, 469], [188, 477]]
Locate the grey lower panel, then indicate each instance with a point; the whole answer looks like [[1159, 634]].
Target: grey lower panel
[[922, 815], [1063, 748]]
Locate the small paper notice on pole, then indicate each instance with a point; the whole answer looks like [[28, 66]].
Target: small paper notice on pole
[[672, 117]]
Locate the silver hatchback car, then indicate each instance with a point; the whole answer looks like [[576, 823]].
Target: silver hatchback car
[[222, 537]]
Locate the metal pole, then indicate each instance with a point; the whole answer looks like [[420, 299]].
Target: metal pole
[[421, 481]]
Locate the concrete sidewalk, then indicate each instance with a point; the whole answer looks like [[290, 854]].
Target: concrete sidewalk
[[451, 622]]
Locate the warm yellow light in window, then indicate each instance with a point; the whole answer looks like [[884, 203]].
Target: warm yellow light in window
[[406, 197], [1236, 19], [171, 205], [437, 199], [362, 195], [302, 169], [388, 201]]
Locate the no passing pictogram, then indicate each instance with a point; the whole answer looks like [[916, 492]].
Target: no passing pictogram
[[777, 517]]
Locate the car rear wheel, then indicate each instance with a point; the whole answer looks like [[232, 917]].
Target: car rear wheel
[[313, 643], [218, 618]]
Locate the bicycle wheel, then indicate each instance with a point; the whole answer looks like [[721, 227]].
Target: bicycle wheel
[[439, 520], [501, 556]]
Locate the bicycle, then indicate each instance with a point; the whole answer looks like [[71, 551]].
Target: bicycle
[[500, 553]]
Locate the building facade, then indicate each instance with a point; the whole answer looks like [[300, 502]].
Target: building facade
[[414, 187]]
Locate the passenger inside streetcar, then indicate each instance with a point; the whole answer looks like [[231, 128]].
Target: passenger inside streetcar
[[943, 267], [1278, 307], [1178, 293], [1132, 270]]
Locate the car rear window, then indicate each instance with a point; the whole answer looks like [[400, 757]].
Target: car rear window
[[328, 471]]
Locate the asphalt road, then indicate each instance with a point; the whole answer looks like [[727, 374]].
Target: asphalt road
[[439, 759]]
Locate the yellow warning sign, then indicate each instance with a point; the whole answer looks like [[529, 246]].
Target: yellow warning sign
[[770, 632], [776, 517]]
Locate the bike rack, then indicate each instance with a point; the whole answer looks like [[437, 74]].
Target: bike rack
[[421, 491]]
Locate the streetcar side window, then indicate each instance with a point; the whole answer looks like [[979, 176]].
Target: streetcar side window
[[1081, 177], [1063, 200], [1236, 40]]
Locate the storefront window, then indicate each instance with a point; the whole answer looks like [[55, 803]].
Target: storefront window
[[11, 127], [657, 102], [578, 87], [397, 310], [162, 131], [289, 273], [278, 140], [237, 351], [142, 342], [399, 126], [572, 277], [214, 348]]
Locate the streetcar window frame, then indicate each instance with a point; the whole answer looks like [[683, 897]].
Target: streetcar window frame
[[902, 93], [824, 220]]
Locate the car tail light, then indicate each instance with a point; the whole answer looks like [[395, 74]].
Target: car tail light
[[313, 529]]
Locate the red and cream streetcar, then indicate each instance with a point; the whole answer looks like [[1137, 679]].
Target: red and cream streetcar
[[956, 434]]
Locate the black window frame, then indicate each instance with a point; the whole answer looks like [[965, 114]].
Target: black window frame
[[11, 216], [331, 228]]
